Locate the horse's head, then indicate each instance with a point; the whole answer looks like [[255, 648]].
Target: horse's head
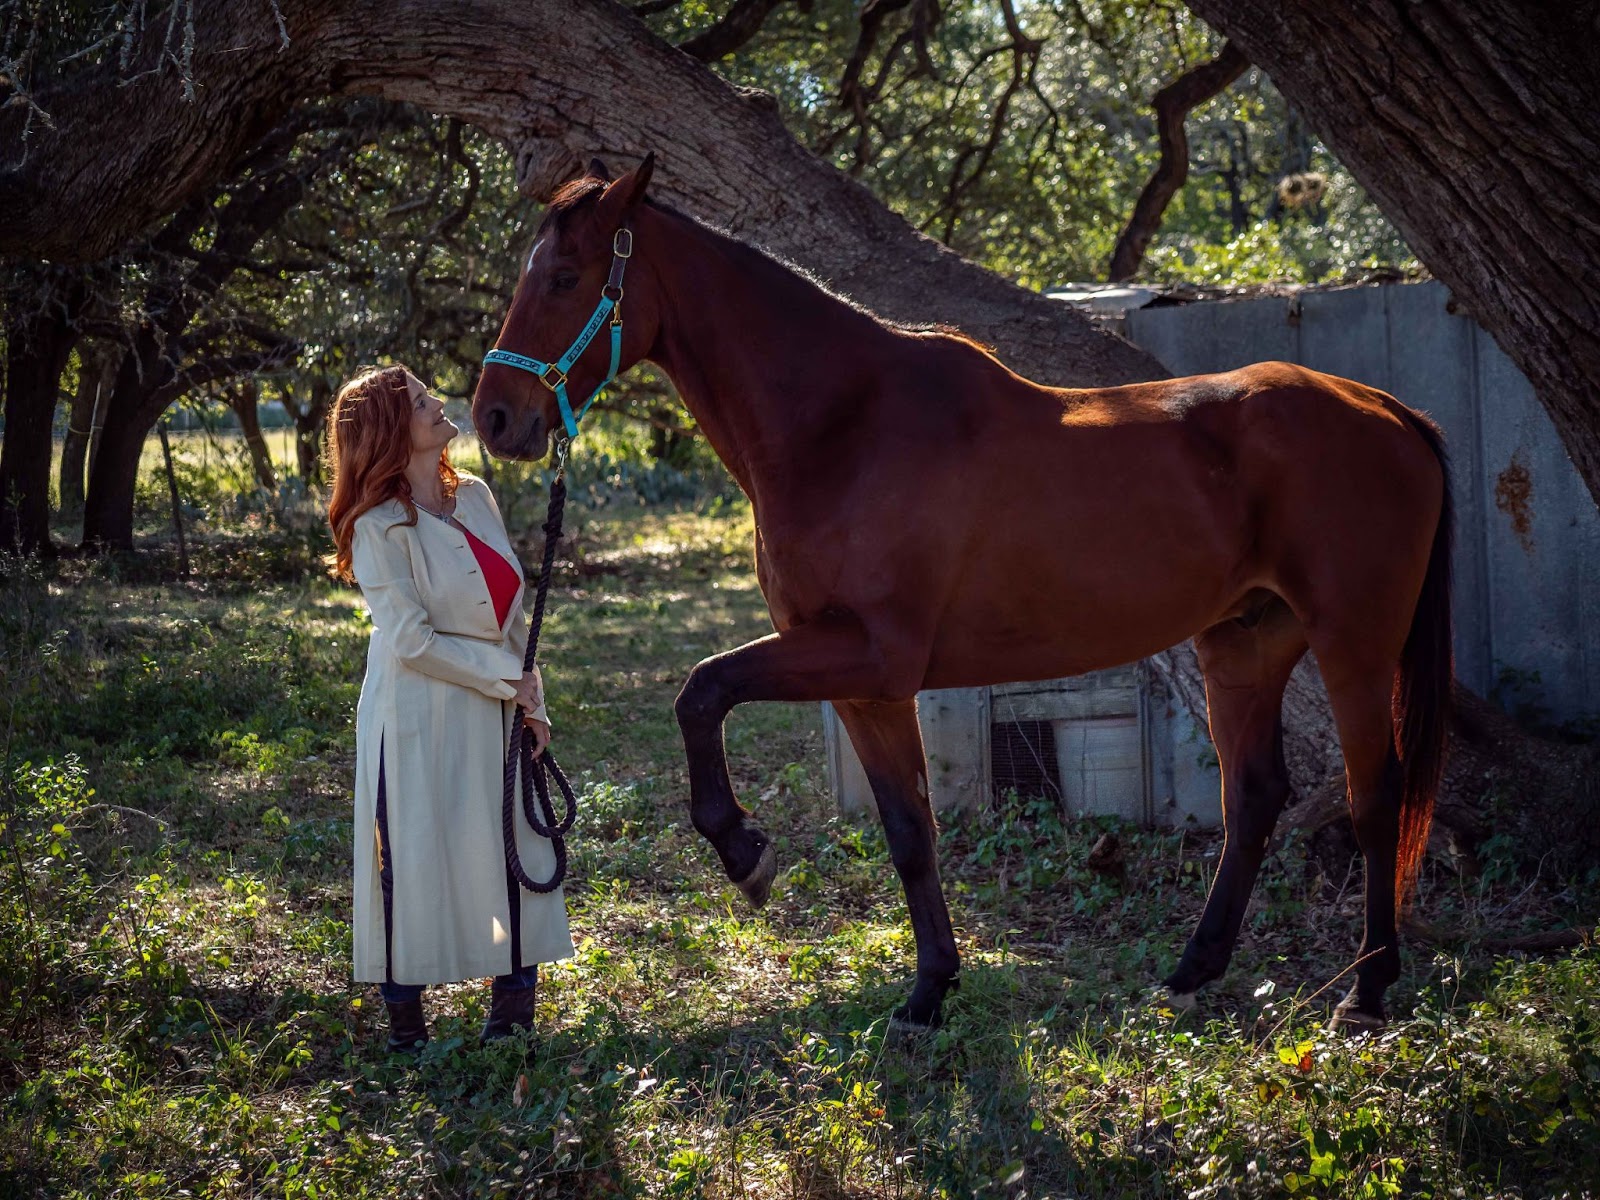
[[558, 338]]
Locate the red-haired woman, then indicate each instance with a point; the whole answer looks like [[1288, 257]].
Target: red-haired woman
[[434, 901]]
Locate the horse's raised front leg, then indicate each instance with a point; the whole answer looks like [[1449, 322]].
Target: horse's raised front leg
[[820, 660], [889, 743]]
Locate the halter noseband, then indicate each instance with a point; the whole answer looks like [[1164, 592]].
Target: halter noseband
[[554, 375]]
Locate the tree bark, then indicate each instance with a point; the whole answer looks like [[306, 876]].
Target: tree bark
[[130, 416], [1172, 105], [1475, 125], [97, 372], [40, 333]]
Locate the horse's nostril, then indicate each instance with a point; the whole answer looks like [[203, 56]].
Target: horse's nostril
[[497, 421]]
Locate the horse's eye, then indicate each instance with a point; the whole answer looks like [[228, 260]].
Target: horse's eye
[[564, 281]]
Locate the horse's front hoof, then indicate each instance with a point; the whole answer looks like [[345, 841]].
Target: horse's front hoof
[[757, 886], [1347, 1018], [1177, 1001], [924, 1008], [905, 1022]]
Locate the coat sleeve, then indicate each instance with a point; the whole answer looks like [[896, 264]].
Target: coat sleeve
[[382, 567]]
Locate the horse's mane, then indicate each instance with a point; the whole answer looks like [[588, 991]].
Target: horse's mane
[[569, 197], [577, 194]]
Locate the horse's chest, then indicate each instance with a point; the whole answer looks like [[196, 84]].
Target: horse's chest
[[797, 579]]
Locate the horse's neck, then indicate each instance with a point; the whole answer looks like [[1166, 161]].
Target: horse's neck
[[761, 356]]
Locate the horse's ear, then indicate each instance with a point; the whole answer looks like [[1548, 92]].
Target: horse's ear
[[627, 193], [597, 170]]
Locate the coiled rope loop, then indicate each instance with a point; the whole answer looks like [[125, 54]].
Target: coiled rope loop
[[537, 772]]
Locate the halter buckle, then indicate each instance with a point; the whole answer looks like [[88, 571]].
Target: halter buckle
[[622, 243], [560, 377]]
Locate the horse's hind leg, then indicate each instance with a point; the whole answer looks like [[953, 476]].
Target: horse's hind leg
[[1246, 663], [1360, 699], [889, 743]]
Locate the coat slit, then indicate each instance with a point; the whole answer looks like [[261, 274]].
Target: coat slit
[[385, 871]]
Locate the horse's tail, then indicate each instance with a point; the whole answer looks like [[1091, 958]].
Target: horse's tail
[[1421, 701]]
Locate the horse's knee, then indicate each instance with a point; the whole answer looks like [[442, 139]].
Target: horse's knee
[[700, 703]]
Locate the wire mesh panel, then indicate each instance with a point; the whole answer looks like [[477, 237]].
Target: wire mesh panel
[[1022, 756]]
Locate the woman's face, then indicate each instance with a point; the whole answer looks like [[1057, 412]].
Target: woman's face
[[430, 431]]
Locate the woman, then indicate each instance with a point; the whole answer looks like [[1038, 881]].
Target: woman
[[434, 901]]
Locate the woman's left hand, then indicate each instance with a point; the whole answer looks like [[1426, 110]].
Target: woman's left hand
[[540, 730]]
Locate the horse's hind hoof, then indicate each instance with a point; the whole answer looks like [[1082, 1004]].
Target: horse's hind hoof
[[757, 886], [903, 1030], [1347, 1018], [903, 1026]]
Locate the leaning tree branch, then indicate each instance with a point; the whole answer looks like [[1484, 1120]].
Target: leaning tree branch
[[216, 370], [742, 22], [1172, 104]]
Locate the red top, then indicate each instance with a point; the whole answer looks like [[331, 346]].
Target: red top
[[501, 576]]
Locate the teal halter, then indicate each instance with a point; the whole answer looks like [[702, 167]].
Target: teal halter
[[554, 375]]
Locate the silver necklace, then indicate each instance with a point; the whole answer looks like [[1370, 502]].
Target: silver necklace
[[436, 515]]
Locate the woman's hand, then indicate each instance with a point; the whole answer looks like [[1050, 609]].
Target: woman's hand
[[539, 731], [530, 698], [530, 691]]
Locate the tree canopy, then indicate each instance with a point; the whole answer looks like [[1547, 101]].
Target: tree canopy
[[1020, 134]]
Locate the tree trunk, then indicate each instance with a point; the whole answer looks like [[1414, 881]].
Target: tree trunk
[[136, 403], [243, 398], [310, 429], [108, 508], [97, 372], [40, 335], [1475, 125]]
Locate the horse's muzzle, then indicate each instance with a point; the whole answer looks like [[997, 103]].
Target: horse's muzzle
[[510, 430]]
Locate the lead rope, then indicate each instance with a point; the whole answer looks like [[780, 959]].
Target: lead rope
[[537, 772]]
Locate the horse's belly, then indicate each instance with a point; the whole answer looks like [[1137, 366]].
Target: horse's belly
[[1064, 610]]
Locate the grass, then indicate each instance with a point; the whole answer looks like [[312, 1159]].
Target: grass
[[176, 1016]]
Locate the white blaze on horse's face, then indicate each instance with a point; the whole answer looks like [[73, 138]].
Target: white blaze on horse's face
[[532, 253]]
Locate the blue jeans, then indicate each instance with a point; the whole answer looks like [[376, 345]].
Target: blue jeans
[[401, 993]]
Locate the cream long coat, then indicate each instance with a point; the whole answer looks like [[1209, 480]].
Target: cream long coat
[[431, 726]]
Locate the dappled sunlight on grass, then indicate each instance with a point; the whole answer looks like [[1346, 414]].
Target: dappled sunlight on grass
[[177, 941]]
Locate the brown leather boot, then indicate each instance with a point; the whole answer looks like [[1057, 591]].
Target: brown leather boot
[[510, 1010], [408, 1028]]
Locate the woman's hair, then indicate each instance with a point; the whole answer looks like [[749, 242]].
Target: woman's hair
[[369, 445]]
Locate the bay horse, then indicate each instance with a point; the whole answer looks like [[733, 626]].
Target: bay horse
[[926, 518]]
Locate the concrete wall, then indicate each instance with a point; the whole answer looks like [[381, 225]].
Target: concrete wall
[[1527, 565]]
